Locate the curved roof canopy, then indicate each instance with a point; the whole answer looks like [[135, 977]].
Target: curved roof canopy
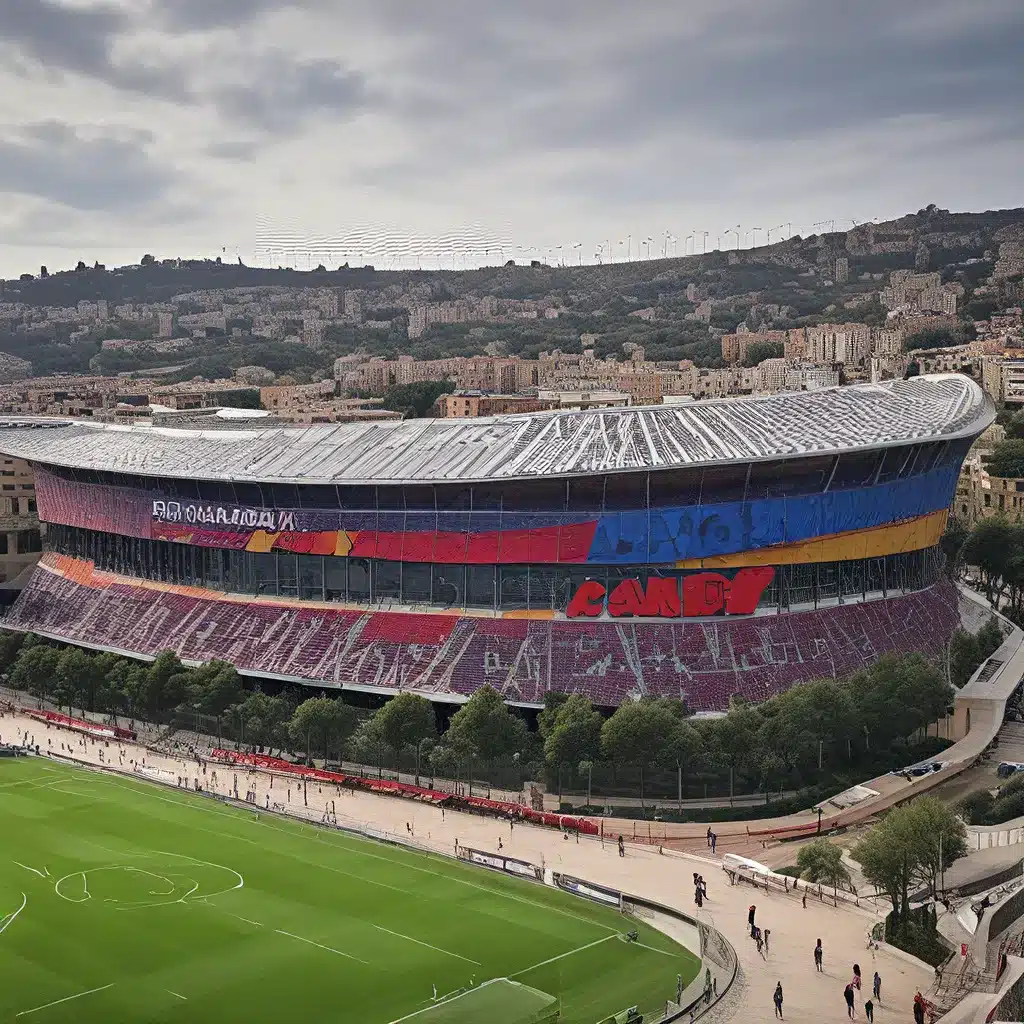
[[829, 420]]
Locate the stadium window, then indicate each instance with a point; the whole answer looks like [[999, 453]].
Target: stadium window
[[421, 498], [359, 580], [358, 499], [513, 587], [387, 580], [416, 577], [335, 579], [893, 460], [448, 585], [623, 491], [828, 583], [3, 543], [480, 585], [851, 579], [855, 469], [534, 496], [287, 574], [311, 577], [6, 472], [874, 576], [262, 573], [723, 483], [799, 585], [390, 499], [317, 496], [284, 496], [544, 589], [248, 495], [586, 494], [675, 487], [487, 497]]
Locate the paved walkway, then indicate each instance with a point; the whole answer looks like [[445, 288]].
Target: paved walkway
[[810, 997]]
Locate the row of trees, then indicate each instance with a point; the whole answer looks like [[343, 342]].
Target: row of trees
[[809, 735], [806, 736], [995, 547]]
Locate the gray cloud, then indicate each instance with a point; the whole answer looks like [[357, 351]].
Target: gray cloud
[[282, 93], [233, 150], [58, 38], [204, 15], [87, 171]]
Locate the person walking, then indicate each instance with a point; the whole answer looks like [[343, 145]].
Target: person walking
[[767, 932], [819, 954], [876, 987], [714, 841], [777, 999], [622, 847], [918, 1009], [869, 1011], [848, 995], [751, 910]]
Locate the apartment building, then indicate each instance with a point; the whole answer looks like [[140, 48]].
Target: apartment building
[[20, 540]]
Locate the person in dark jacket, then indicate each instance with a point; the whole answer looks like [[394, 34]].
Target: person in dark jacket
[[777, 998]]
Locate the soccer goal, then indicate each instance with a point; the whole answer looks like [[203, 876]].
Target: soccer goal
[[499, 1001]]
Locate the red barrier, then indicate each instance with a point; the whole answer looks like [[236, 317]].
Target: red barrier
[[56, 718], [499, 807]]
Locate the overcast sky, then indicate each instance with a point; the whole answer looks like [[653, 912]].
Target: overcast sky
[[178, 127]]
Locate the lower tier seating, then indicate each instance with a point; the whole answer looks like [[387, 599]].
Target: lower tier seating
[[704, 660]]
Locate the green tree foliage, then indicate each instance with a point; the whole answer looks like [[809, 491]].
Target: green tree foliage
[[762, 350], [35, 671], [10, 646], [416, 399], [996, 547], [165, 684], [1007, 458], [909, 849], [485, 728], [79, 676], [637, 734], [968, 650], [933, 337], [822, 862], [213, 688], [264, 719], [1015, 427], [574, 736], [320, 725], [407, 720]]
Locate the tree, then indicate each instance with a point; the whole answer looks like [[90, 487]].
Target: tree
[[407, 720], [484, 727], [214, 687], [10, 646], [35, 671], [822, 862], [932, 337], [164, 686], [321, 723], [1007, 459], [574, 736], [762, 350], [911, 847], [77, 679], [553, 700], [637, 735], [682, 748], [264, 719], [995, 547]]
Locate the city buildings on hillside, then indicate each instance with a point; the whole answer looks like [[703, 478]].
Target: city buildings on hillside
[[20, 542]]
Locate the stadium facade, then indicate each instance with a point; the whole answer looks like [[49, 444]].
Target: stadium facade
[[702, 550]]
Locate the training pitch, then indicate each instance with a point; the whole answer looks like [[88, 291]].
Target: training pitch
[[121, 900]]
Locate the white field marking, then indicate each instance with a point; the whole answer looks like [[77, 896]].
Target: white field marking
[[35, 780], [35, 871], [409, 938], [66, 999], [176, 995], [360, 852], [482, 984], [562, 956], [7, 921], [642, 945], [208, 864], [240, 918], [85, 886], [319, 946]]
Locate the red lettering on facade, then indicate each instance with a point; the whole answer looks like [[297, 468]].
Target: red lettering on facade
[[699, 594], [588, 600]]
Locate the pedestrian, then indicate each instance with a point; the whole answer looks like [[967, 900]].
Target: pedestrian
[[804, 900], [777, 999], [622, 847], [869, 1011], [819, 954], [698, 897], [709, 835], [918, 1009], [767, 932], [751, 910], [876, 987], [759, 941], [714, 841], [848, 995], [855, 981]]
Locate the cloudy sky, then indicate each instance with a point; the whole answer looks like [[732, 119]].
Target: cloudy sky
[[192, 127]]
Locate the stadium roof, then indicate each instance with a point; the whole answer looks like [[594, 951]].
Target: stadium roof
[[524, 446]]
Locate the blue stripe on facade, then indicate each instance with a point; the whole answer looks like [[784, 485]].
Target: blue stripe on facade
[[666, 535]]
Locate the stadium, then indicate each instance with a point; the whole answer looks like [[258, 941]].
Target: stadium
[[700, 550]]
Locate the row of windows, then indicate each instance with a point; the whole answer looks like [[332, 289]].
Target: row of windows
[[615, 492], [498, 588], [26, 542]]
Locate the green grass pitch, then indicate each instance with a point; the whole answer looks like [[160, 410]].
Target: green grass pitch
[[124, 901]]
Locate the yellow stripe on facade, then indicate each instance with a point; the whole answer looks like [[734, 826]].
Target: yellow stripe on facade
[[897, 538]]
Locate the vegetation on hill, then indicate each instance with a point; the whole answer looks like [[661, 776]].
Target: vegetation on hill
[[985, 808], [1007, 458]]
